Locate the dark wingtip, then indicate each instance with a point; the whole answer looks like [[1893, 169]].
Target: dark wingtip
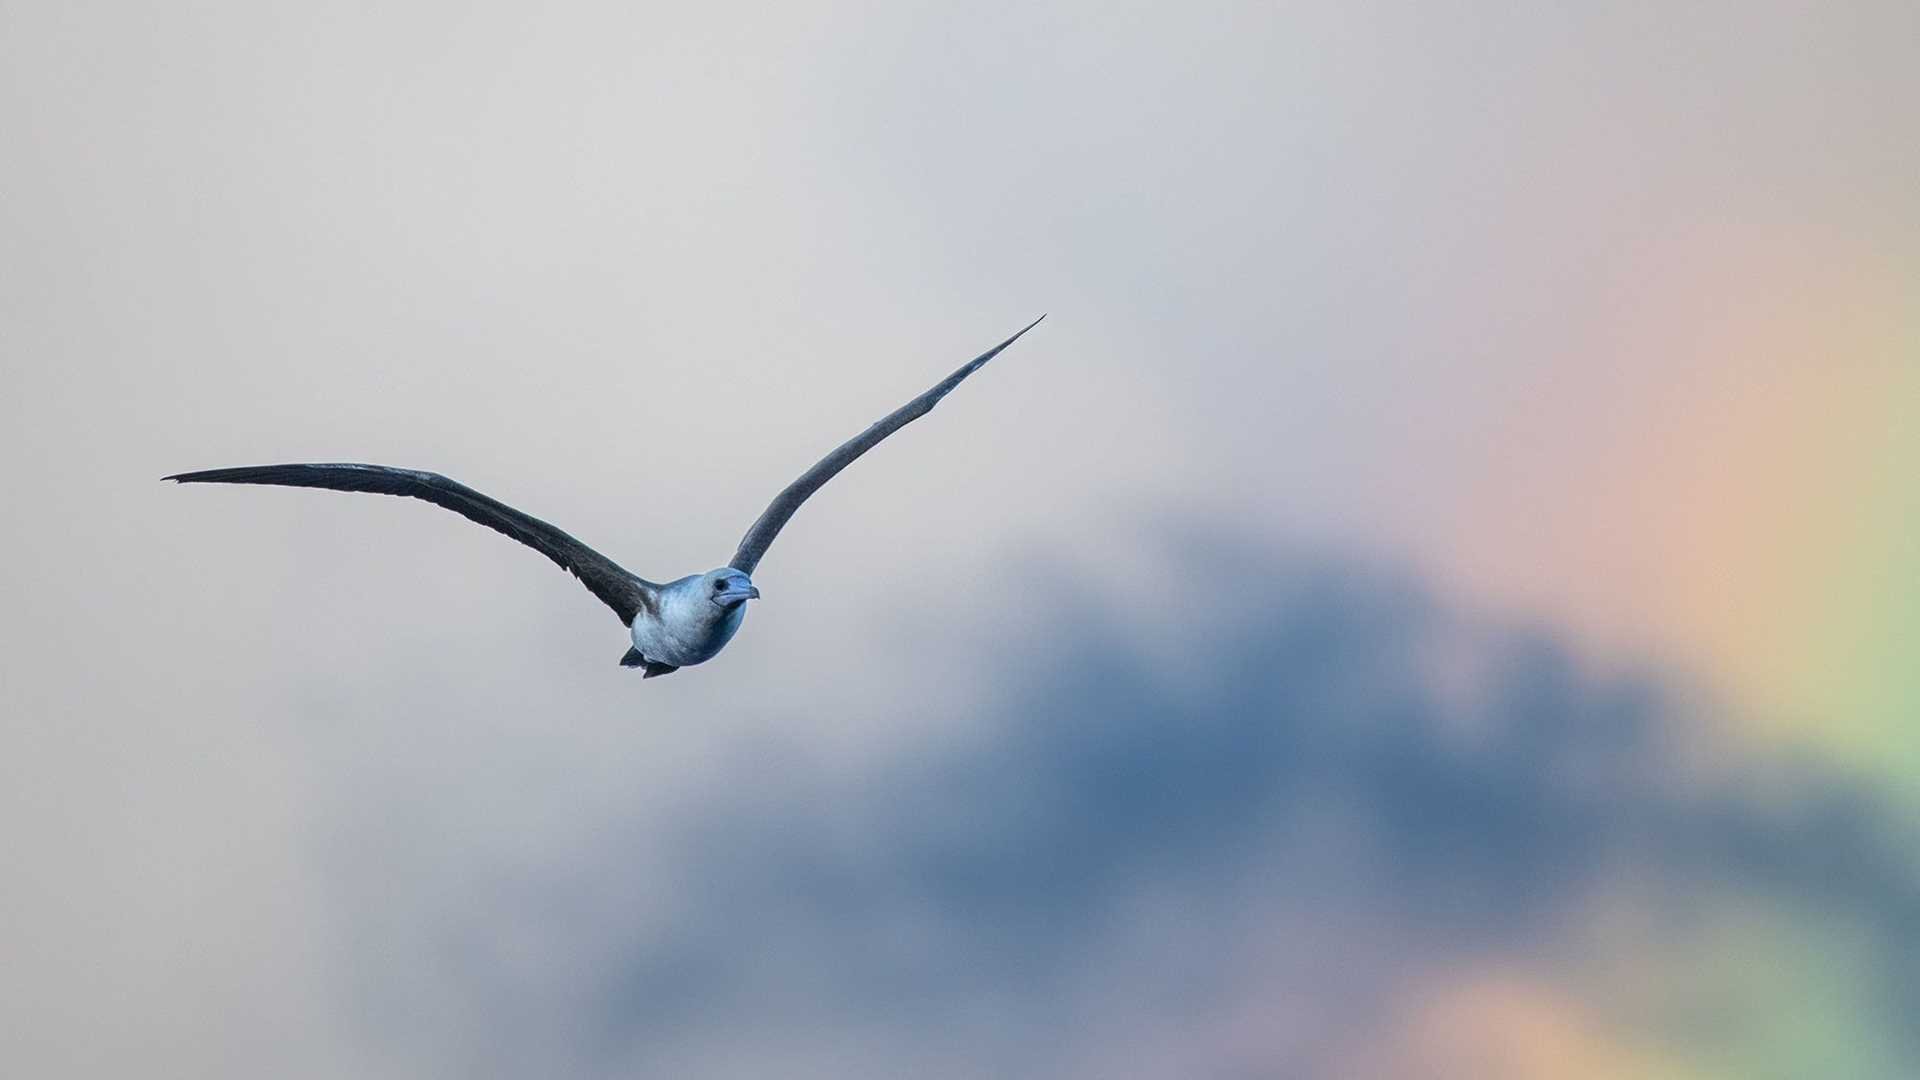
[[243, 474], [996, 350]]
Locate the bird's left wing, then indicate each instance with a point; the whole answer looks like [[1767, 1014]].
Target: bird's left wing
[[754, 545], [625, 593]]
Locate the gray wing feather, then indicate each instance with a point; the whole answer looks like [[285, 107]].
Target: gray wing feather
[[754, 545], [625, 593]]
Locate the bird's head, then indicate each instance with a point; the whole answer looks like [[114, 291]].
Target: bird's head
[[728, 588]]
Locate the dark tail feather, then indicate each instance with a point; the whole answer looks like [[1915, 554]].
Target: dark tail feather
[[634, 659]]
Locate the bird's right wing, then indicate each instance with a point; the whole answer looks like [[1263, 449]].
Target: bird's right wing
[[754, 545], [625, 593]]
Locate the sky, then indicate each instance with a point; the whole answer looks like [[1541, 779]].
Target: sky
[[1436, 597]]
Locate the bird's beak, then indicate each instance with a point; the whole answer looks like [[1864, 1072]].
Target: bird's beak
[[732, 596]]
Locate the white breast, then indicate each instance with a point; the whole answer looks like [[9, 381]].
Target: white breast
[[689, 630]]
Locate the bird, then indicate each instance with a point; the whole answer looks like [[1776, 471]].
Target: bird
[[671, 625]]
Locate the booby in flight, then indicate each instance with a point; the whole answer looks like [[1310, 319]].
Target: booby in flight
[[675, 625]]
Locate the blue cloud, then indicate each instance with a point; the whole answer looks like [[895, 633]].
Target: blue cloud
[[1395, 786]]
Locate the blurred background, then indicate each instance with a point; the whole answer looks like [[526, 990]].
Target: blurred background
[[1437, 598]]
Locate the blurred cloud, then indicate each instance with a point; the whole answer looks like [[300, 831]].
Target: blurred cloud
[[1356, 810]]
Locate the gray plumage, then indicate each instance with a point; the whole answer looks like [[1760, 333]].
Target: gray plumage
[[753, 546], [672, 625], [627, 594]]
